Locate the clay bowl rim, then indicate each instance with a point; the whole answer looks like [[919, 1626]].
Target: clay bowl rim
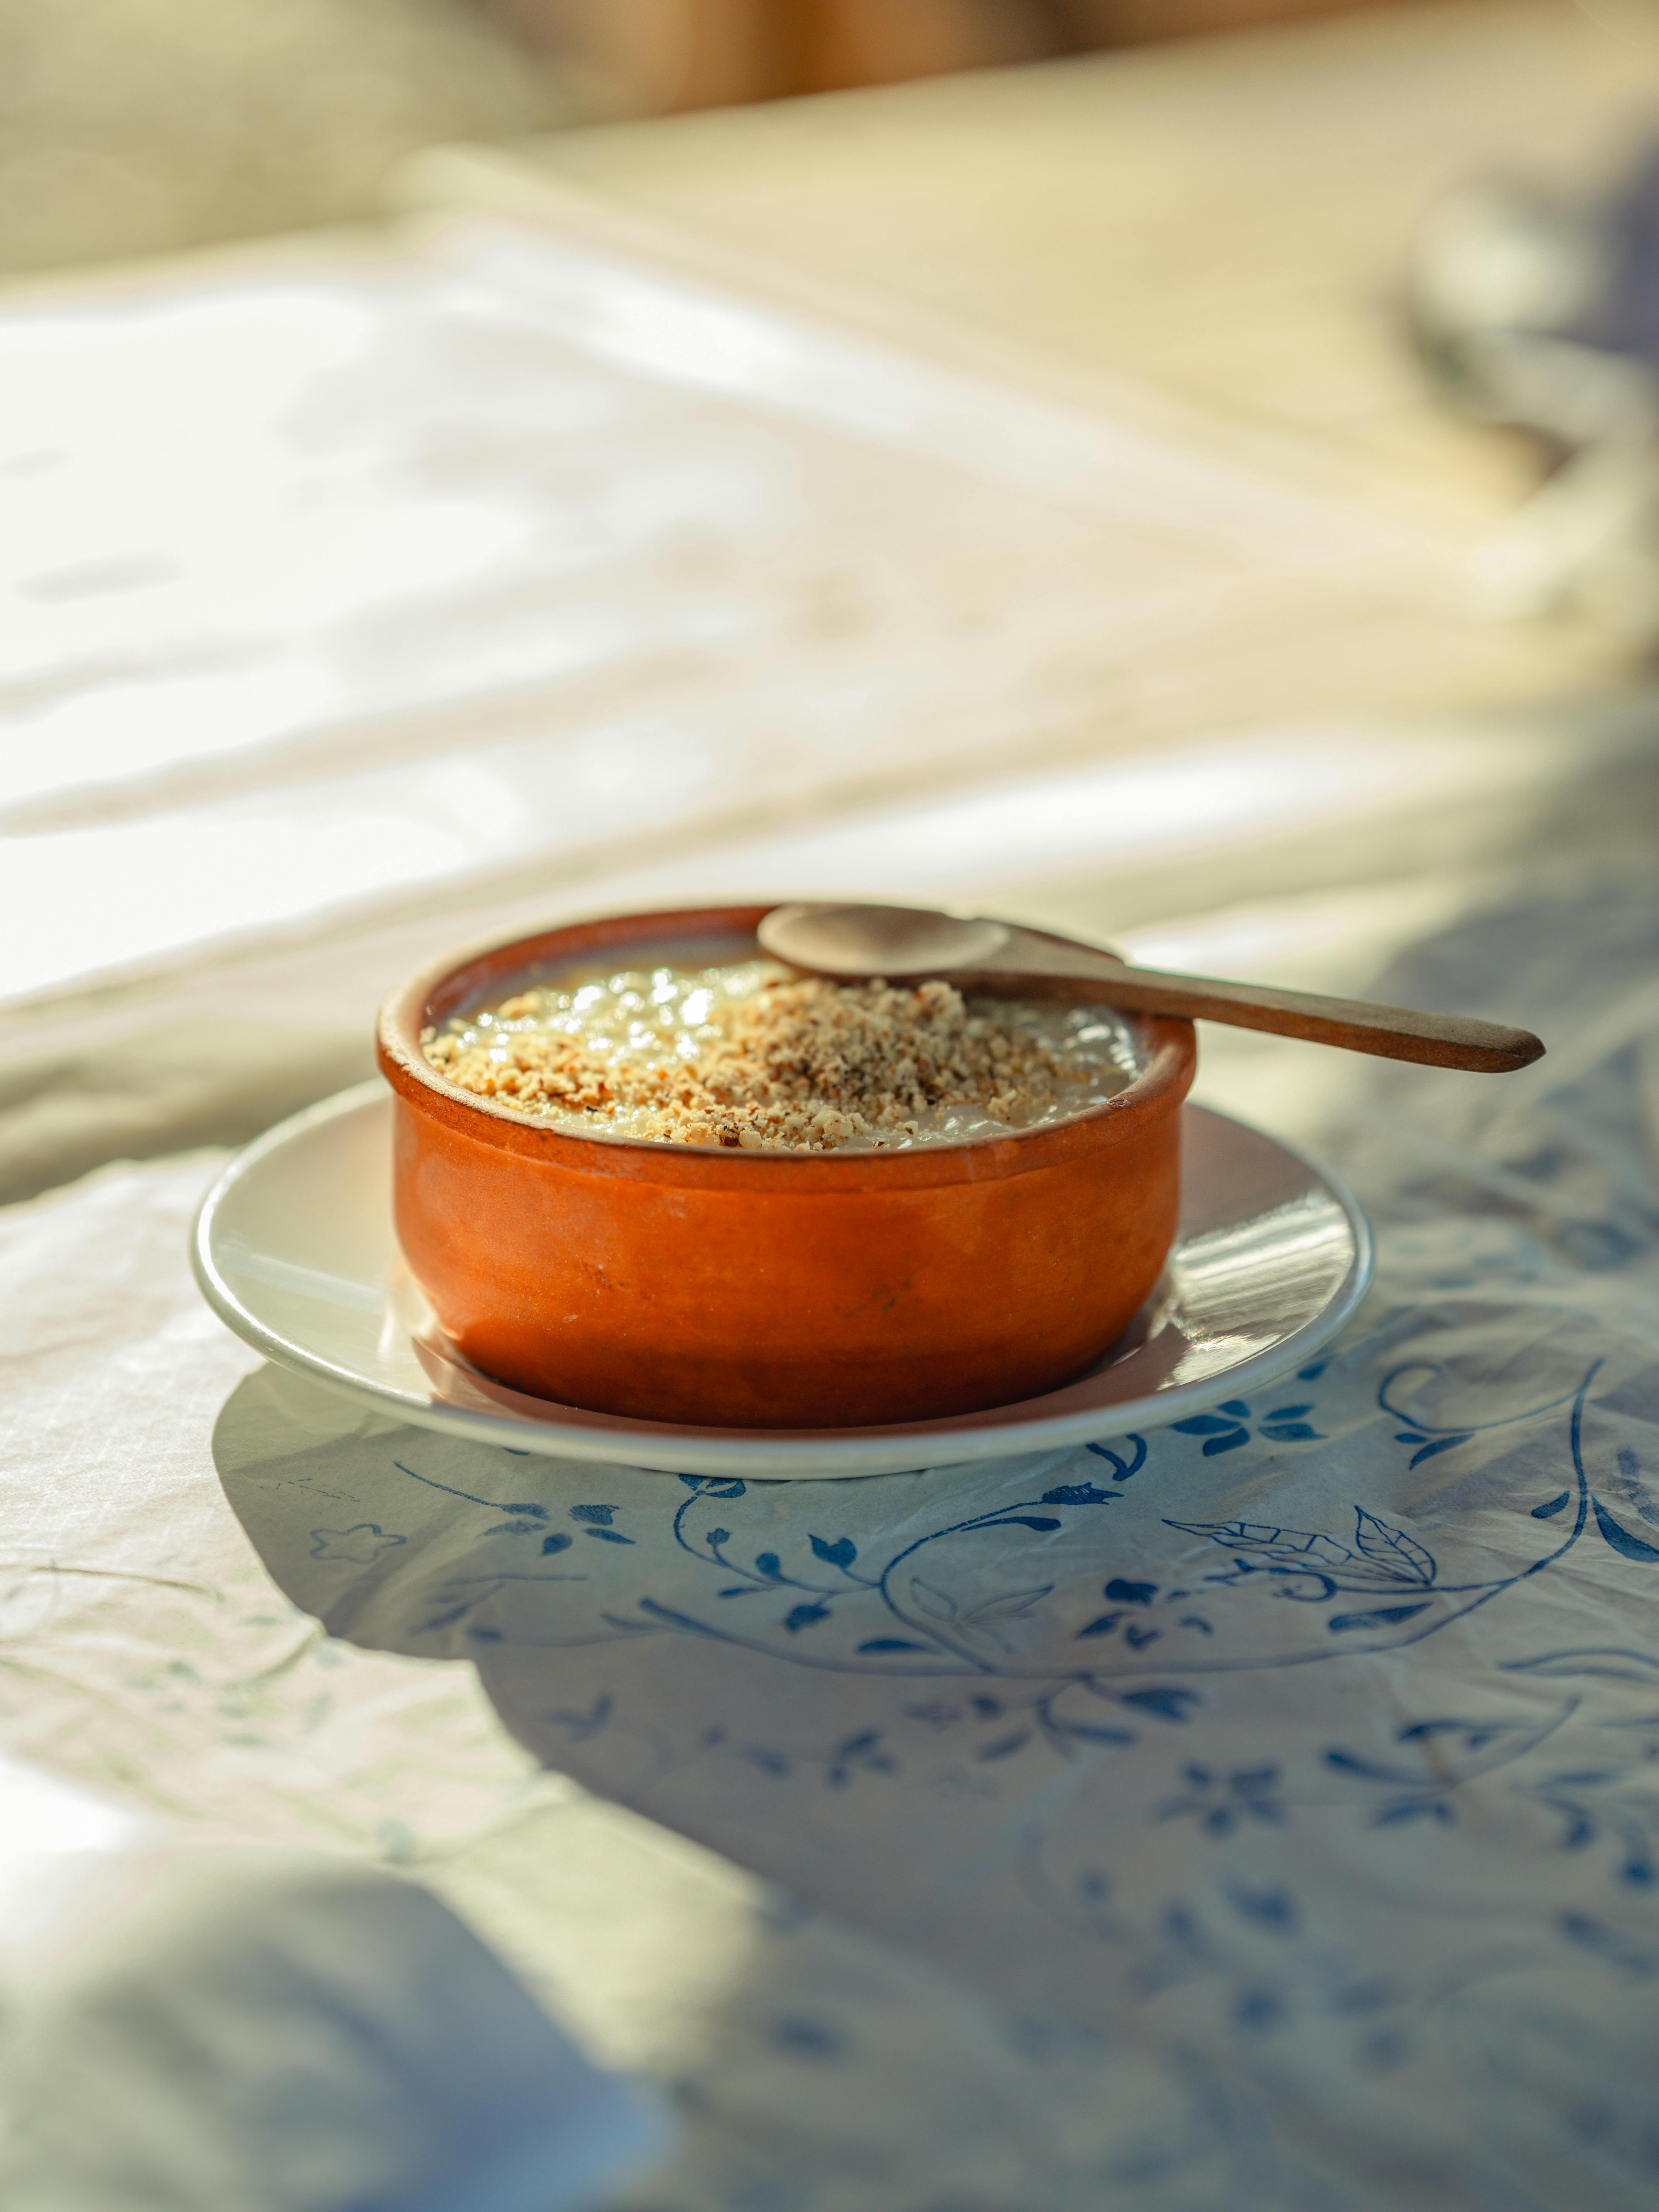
[[443, 985]]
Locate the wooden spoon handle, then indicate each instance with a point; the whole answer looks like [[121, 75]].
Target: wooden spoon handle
[[1356, 1025], [1393, 1032]]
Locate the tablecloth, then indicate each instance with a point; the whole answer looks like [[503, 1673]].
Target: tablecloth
[[1284, 1779], [1247, 1814], [1258, 1811]]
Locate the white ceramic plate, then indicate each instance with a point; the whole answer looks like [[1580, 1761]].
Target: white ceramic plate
[[294, 1248]]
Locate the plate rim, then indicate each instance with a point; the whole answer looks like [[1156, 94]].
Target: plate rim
[[836, 1453]]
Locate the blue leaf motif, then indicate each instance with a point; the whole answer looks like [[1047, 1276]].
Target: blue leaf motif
[[1475, 1736], [1260, 2010], [937, 1604], [1236, 1407], [1346, 1763], [1122, 1469], [1102, 1626], [1268, 1908], [769, 1564], [1287, 1413], [1607, 1943], [1078, 1493], [1201, 1425], [803, 1616], [1128, 1593], [1414, 1808], [601, 1515], [1005, 1746], [1440, 1444], [840, 1553], [1551, 1508], [1384, 1617], [1612, 1661], [608, 1535], [715, 1485], [1038, 1521], [1011, 1605], [1320, 1552], [558, 1542], [1214, 1444], [1632, 1548], [584, 1725], [891, 1644], [1392, 1548], [1167, 1705], [443, 1619], [807, 2038], [1285, 1432], [1092, 1732], [994, 1615]]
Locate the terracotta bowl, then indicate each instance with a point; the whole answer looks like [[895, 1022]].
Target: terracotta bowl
[[752, 1289]]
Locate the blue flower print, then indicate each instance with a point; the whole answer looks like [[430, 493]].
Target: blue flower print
[[358, 1546], [1227, 1428], [1221, 1803]]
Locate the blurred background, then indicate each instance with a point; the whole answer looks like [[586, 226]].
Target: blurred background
[[138, 126], [468, 458]]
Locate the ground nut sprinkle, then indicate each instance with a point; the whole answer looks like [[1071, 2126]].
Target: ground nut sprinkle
[[757, 1056]]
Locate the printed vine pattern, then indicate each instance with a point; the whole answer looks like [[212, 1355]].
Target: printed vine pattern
[[1609, 1802], [1019, 1720], [1270, 1959], [1034, 1668], [1375, 1578], [1255, 1944]]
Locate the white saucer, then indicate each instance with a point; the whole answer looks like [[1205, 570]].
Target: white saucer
[[293, 1248]]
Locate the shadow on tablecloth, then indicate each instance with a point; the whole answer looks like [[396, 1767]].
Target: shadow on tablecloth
[[1308, 1750]]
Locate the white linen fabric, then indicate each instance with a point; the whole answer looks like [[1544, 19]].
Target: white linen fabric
[[146, 1652], [422, 585], [265, 2032], [1257, 1814], [1249, 1815], [1282, 1780]]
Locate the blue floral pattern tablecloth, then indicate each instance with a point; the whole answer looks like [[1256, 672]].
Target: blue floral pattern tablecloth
[[1251, 1814], [1283, 1785]]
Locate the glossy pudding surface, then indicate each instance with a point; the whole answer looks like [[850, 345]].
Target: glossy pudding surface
[[752, 1055]]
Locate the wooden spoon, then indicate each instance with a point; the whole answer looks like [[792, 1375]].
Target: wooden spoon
[[905, 944]]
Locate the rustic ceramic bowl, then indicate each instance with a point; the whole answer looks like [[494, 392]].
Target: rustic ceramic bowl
[[741, 1289]]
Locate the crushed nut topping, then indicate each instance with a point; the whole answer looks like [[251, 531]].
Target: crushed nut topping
[[757, 1055]]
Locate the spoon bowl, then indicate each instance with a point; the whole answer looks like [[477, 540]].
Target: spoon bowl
[[880, 940]]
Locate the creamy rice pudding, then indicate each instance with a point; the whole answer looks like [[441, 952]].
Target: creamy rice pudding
[[756, 1054]]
